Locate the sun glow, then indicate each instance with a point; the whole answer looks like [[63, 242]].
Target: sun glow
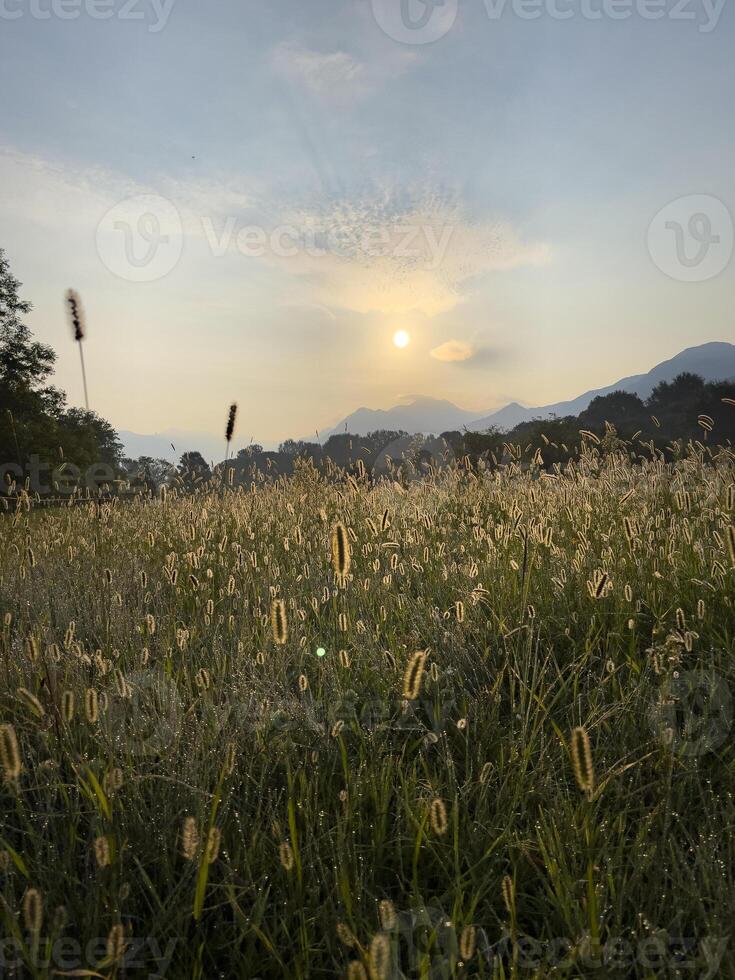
[[401, 338]]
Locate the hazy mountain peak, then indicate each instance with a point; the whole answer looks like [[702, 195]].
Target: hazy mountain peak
[[714, 361]]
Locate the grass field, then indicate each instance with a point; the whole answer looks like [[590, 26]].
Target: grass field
[[379, 777]]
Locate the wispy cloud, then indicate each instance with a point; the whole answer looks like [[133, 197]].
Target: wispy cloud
[[382, 250], [337, 77], [452, 350], [390, 254]]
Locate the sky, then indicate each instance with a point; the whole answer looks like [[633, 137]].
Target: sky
[[253, 198]]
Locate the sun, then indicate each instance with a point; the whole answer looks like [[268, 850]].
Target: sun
[[401, 338]]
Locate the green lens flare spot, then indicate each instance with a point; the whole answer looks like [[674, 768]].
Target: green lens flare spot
[[321, 652]]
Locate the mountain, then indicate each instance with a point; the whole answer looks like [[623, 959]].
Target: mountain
[[713, 362], [422, 415], [159, 445]]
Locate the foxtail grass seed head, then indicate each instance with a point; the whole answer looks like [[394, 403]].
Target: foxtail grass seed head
[[214, 839], [508, 890], [438, 817], [32, 649], [279, 622], [230, 758], [387, 913], [582, 760], [379, 957], [285, 854], [33, 910], [414, 675], [102, 852], [345, 935], [9, 753], [31, 702], [467, 942], [91, 705], [356, 971], [75, 314], [231, 417], [341, 556], [116, 943], [730, 534], [190, 839], [113, 781]]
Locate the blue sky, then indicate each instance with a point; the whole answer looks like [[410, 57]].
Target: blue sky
[[526, 159]]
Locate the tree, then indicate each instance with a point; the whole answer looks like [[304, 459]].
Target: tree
[[299, 447], [621, 408], [24, 363], [149, 472], [194, 470], [246, 454], [37, 432]]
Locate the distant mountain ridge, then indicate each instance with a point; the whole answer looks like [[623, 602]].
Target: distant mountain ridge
[[713, 361], [161, 445], [422, 415]]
